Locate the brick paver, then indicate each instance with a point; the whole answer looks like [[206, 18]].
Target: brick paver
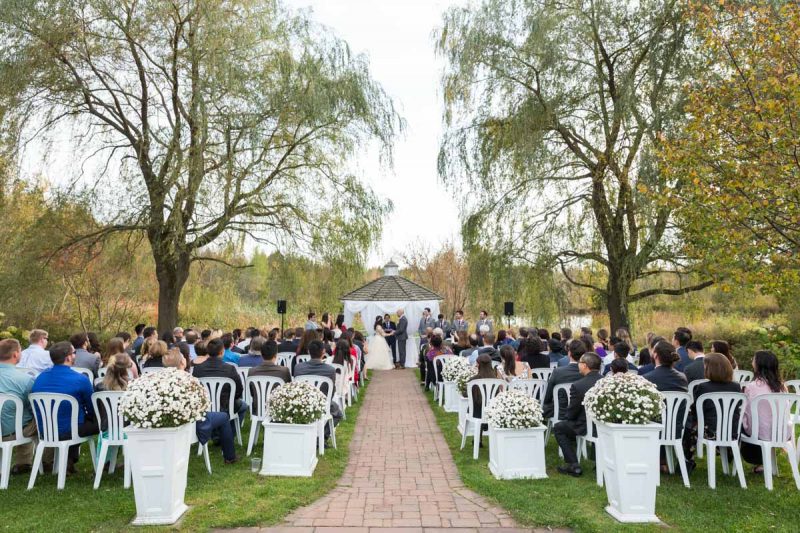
[[400, 477]]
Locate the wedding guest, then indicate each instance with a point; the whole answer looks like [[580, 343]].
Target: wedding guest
[[679, 340], [618, 366], [646, 361], [696, 369], [725, 349], [648, 340], [602, 346], [191, 342], [18, 384], [766, 380], [169, 338], [328, 341], [83, 357], [177, 334], [117, 368], [563, 374], [253, 357], [511, 369], [488, 347], [315, 367], [138, 329], [719, 373], [287, 343], [664, 375], [485, 371], [530, 352], [229, 355], [269, 366], [201, 353], [116, 347], [474, 348], [566, 336], [35, 356], [214, 367], [436, 348], [623, 335], [574, 421], [62, 379], [95, 346], [311, 323], [555, 351], [620, 352], [155, 352], [462, 344]]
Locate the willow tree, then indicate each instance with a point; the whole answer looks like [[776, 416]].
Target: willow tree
[[554, 110], [214, 118]]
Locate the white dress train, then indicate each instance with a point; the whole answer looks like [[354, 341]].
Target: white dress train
[[380, 355]]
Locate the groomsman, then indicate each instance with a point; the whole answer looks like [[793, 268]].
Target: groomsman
[[443, 324], [484, 320], [425, 322], [459, 324], [390, 327]]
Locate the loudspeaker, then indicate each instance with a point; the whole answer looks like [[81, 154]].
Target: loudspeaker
[[281, 307], [509, 308]]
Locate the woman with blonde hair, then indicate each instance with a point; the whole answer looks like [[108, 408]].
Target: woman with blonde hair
[[155, 352], [117, 378]]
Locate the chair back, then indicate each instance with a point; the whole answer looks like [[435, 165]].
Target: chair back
[[243, 371], [260, 388], [793, 386], [674, 411], [86, 372], [102, 371], [728, 406], [318, 382], [46, 406], [215, 388], [107, 403], [9, 401], [742, 376], [591, 428], [341, 375], [487, 388], [554, 365], [32, 372], [300, 359], [285, 358], [542, 373], [495, 364], [694, 384], [438, 364], [534, 387], [781, 406], [557, 392]]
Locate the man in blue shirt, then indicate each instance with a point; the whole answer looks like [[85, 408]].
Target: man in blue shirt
[[62, 379], [17, 383], [679, 340], [137, 343], [229, 356]]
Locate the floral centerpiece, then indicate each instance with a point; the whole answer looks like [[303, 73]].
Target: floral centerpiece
[[627, 411], [161, 408], [516, 436], [298, 402], [453, 367], [463, 377]]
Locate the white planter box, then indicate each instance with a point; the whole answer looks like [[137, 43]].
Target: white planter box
[[289, 449], [462, 413], [517, 453], [159, 462], [631, 460], [451, 397]]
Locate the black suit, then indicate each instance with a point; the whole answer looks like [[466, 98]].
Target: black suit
[[215, 367], [562, 374], [695, 370], [709, 413], [536, 360], [287, 346], [667, 379], [574, 423]]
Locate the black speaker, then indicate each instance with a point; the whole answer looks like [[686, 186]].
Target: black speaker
[[509, 308], [281, 307]]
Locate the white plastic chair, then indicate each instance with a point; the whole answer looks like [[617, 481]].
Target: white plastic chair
[[202, 449], [495, 364], [489, 388], [438, 387], [327, 418], [743, 377], [553, 366], [259, 407], [583, 450], [542, 373], [102, 371], [342, 386], [534, 387], [107, 403], [215, 388], [694, 384], [7, 446], [243, 372], [557, 390], [673, 416], [793, 386], [297, 360], [45, 408], [285, 358], [781, 436], [86, 372], [728, 406]]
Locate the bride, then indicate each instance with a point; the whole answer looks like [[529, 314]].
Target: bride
[[379, 356]]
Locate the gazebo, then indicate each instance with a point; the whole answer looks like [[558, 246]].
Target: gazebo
[[387, 294]]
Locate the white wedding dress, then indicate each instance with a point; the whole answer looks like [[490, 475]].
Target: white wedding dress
[[380, 355]]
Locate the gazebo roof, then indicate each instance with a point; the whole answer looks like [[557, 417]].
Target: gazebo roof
[[392, 288]]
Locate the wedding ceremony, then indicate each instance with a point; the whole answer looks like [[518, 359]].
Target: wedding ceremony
[[384, 266]]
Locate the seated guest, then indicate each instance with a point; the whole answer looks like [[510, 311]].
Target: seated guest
[[201, 353], [269, 365], [719, 373], [115, 347], [555, 351], [488, 347], [646, 361], [230, 356], [155, 352], [472, 352], [83, 357], [621, 351], [602, 346], [169, 338], [485, 371], [63, 380], [436, 348], [725, 349], [618, 366], [574, 421], [563, 374], [530, 352], [116, 378], [191, 341], [766, 380], [254, 353], [216, 424], [696, 369], [35, 356], [511, 369], [15, 382], [287, 343], [316, 367], [462, 342], [648, 340], [679, 340], [214, 367], [664, 375]]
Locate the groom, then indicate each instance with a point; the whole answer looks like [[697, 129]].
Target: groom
[[390, 327], [401, 334]]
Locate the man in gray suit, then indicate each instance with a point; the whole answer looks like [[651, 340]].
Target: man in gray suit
[[459, 324], [315, 367], [443, 324], [401, 334], [484, 320], [83, 357]]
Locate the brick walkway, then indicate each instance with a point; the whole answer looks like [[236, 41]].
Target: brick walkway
[[400, 474]]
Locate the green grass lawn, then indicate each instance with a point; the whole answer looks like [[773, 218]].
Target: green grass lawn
[[578, 503], [231, 497]]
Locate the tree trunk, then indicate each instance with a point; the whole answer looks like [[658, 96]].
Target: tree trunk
[[171, 274], [617, 302]]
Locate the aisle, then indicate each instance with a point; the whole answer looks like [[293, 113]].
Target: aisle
[[400, 473]]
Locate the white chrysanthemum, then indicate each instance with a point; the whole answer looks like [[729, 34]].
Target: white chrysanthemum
[[465, 374], [624, 398], [168, 398], [297, 402], [514, 409], [453, 367]]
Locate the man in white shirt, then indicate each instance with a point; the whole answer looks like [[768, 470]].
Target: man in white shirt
[[35, 356], [311, 324]]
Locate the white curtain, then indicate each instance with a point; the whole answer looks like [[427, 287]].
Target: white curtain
[[369, 310]]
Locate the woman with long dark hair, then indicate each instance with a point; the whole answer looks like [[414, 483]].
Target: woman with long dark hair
[[511, 369], [725, 349], [766, 380]]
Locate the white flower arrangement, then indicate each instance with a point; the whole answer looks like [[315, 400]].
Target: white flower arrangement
[[466, 373], [297, 402], [165, 399], [453, 366], [514, 409], [624, 398]]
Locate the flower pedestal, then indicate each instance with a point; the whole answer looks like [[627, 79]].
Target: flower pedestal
[[159, 461], [450, 397], [631, 462], [289, 449], [517, 453], [462, 413]]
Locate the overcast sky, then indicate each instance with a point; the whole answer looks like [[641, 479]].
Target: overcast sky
[[396, 35]]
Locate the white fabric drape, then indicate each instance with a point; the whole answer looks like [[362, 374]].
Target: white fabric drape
[[369, 310]]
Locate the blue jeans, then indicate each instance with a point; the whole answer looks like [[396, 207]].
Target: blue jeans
[[217, 424]]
